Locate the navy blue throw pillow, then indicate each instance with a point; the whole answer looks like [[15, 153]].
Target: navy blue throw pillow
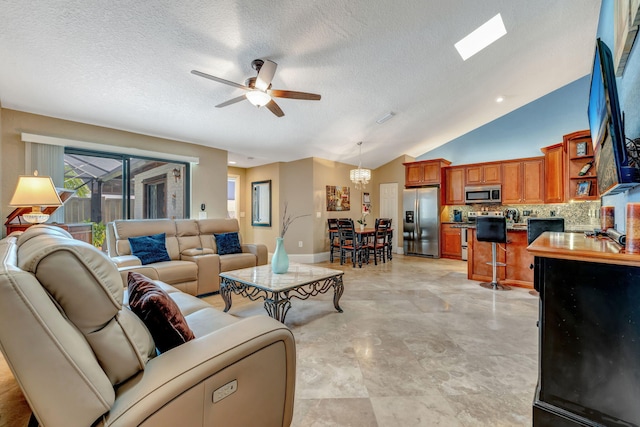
[[228, 243], [149, 249]]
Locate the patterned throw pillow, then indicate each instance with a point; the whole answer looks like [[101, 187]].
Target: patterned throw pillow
[[228, 243], [158, 311], [149, 249]]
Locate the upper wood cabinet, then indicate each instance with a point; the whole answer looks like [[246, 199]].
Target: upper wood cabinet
[[554, 176], [481, 174], [533, 181], [523, 181], [426, 172], [454, 185]]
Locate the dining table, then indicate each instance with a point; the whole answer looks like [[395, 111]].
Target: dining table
[[362, 234]]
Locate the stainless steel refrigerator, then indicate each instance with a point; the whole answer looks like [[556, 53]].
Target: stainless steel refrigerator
[[421, 221]]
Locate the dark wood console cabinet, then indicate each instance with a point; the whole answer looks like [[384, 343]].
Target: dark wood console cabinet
[[81, 231], [589, 332]]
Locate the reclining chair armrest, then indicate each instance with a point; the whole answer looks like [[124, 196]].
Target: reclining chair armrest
[[204, 365], [259, 250], [150, 272], [208, 272], [126, 261]]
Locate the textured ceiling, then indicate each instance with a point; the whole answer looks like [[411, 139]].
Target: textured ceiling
[[126, 64]]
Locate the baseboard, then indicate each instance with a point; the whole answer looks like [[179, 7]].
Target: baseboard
[[306, 258]]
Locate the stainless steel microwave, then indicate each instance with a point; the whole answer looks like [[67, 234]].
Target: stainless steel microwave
[[483, 194]]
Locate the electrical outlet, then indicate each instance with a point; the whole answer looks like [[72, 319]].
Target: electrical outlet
[[300, 243]]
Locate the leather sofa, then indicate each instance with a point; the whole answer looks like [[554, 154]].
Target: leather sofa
[[82, 357], [195, 263]]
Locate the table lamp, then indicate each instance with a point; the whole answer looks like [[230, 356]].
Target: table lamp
[[35, 191]]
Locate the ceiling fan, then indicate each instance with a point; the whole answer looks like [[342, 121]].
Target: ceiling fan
[[258, 89]]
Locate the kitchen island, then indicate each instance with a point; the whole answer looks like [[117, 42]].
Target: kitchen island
[[518, 270], [589, 332]]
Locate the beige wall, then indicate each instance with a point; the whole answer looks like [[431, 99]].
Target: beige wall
[[1, 178], [392, 172], [301, 183], [209, 177], [243, 205], [327, 172], [296, 189], [266, 235]]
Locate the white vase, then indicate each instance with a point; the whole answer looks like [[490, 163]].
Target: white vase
[[280, 259], [361, 227]]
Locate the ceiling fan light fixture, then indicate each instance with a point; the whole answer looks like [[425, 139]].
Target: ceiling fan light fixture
[[258, 98]]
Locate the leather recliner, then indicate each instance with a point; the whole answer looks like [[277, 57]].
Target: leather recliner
[[83, 358]]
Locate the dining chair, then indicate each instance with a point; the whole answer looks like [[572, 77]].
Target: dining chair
[[349, 243], [334, 238], [378, 244], [389, 243], [389, 240]]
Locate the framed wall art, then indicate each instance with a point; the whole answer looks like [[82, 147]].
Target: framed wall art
[[338, 198]]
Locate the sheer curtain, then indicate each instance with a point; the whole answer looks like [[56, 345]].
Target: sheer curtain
[[47, 160]]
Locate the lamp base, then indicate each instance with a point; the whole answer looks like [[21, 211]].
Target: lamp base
[[35, 218]]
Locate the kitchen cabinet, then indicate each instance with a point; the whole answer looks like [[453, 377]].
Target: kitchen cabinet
[[554, 176], [454, 185], [482, 174], [523, 181], [451, 241], [426, 172], [579, 152]]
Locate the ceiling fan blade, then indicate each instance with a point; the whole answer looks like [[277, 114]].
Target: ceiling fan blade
[[232, 101], [293, 94], [274, 108], [218, 79], [265, 75]]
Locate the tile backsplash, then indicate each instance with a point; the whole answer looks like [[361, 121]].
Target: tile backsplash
[[577, 216]]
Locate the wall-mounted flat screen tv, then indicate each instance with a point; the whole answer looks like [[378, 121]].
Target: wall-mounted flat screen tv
[[615, 175]]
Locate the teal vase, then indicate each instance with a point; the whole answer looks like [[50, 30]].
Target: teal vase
[[280, 259]]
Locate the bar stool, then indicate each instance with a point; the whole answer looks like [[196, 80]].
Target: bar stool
[[537, 226], [494, 230]]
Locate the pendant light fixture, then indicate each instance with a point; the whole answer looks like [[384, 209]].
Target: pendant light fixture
[[360, 177]]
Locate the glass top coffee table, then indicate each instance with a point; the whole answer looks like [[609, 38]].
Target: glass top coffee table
[[300, 281]]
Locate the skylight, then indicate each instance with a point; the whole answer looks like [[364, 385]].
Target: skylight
[[481, 37]]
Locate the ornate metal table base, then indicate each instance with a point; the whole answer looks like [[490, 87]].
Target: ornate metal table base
[[278, 303]]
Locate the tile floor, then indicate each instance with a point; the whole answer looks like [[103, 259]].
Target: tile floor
[[417, 345]]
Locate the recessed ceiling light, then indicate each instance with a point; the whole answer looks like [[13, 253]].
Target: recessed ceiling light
[[231, 162], [481, 37], [500, 99]]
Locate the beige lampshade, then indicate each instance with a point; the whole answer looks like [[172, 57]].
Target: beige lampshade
[[35, 191]]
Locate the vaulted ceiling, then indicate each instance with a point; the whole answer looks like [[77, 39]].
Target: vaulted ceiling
[[126, 64]]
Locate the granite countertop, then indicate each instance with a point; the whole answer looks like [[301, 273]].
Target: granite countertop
[[522, 226]]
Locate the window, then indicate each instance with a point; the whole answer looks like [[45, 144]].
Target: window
[[233, 199], [111, 186]]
